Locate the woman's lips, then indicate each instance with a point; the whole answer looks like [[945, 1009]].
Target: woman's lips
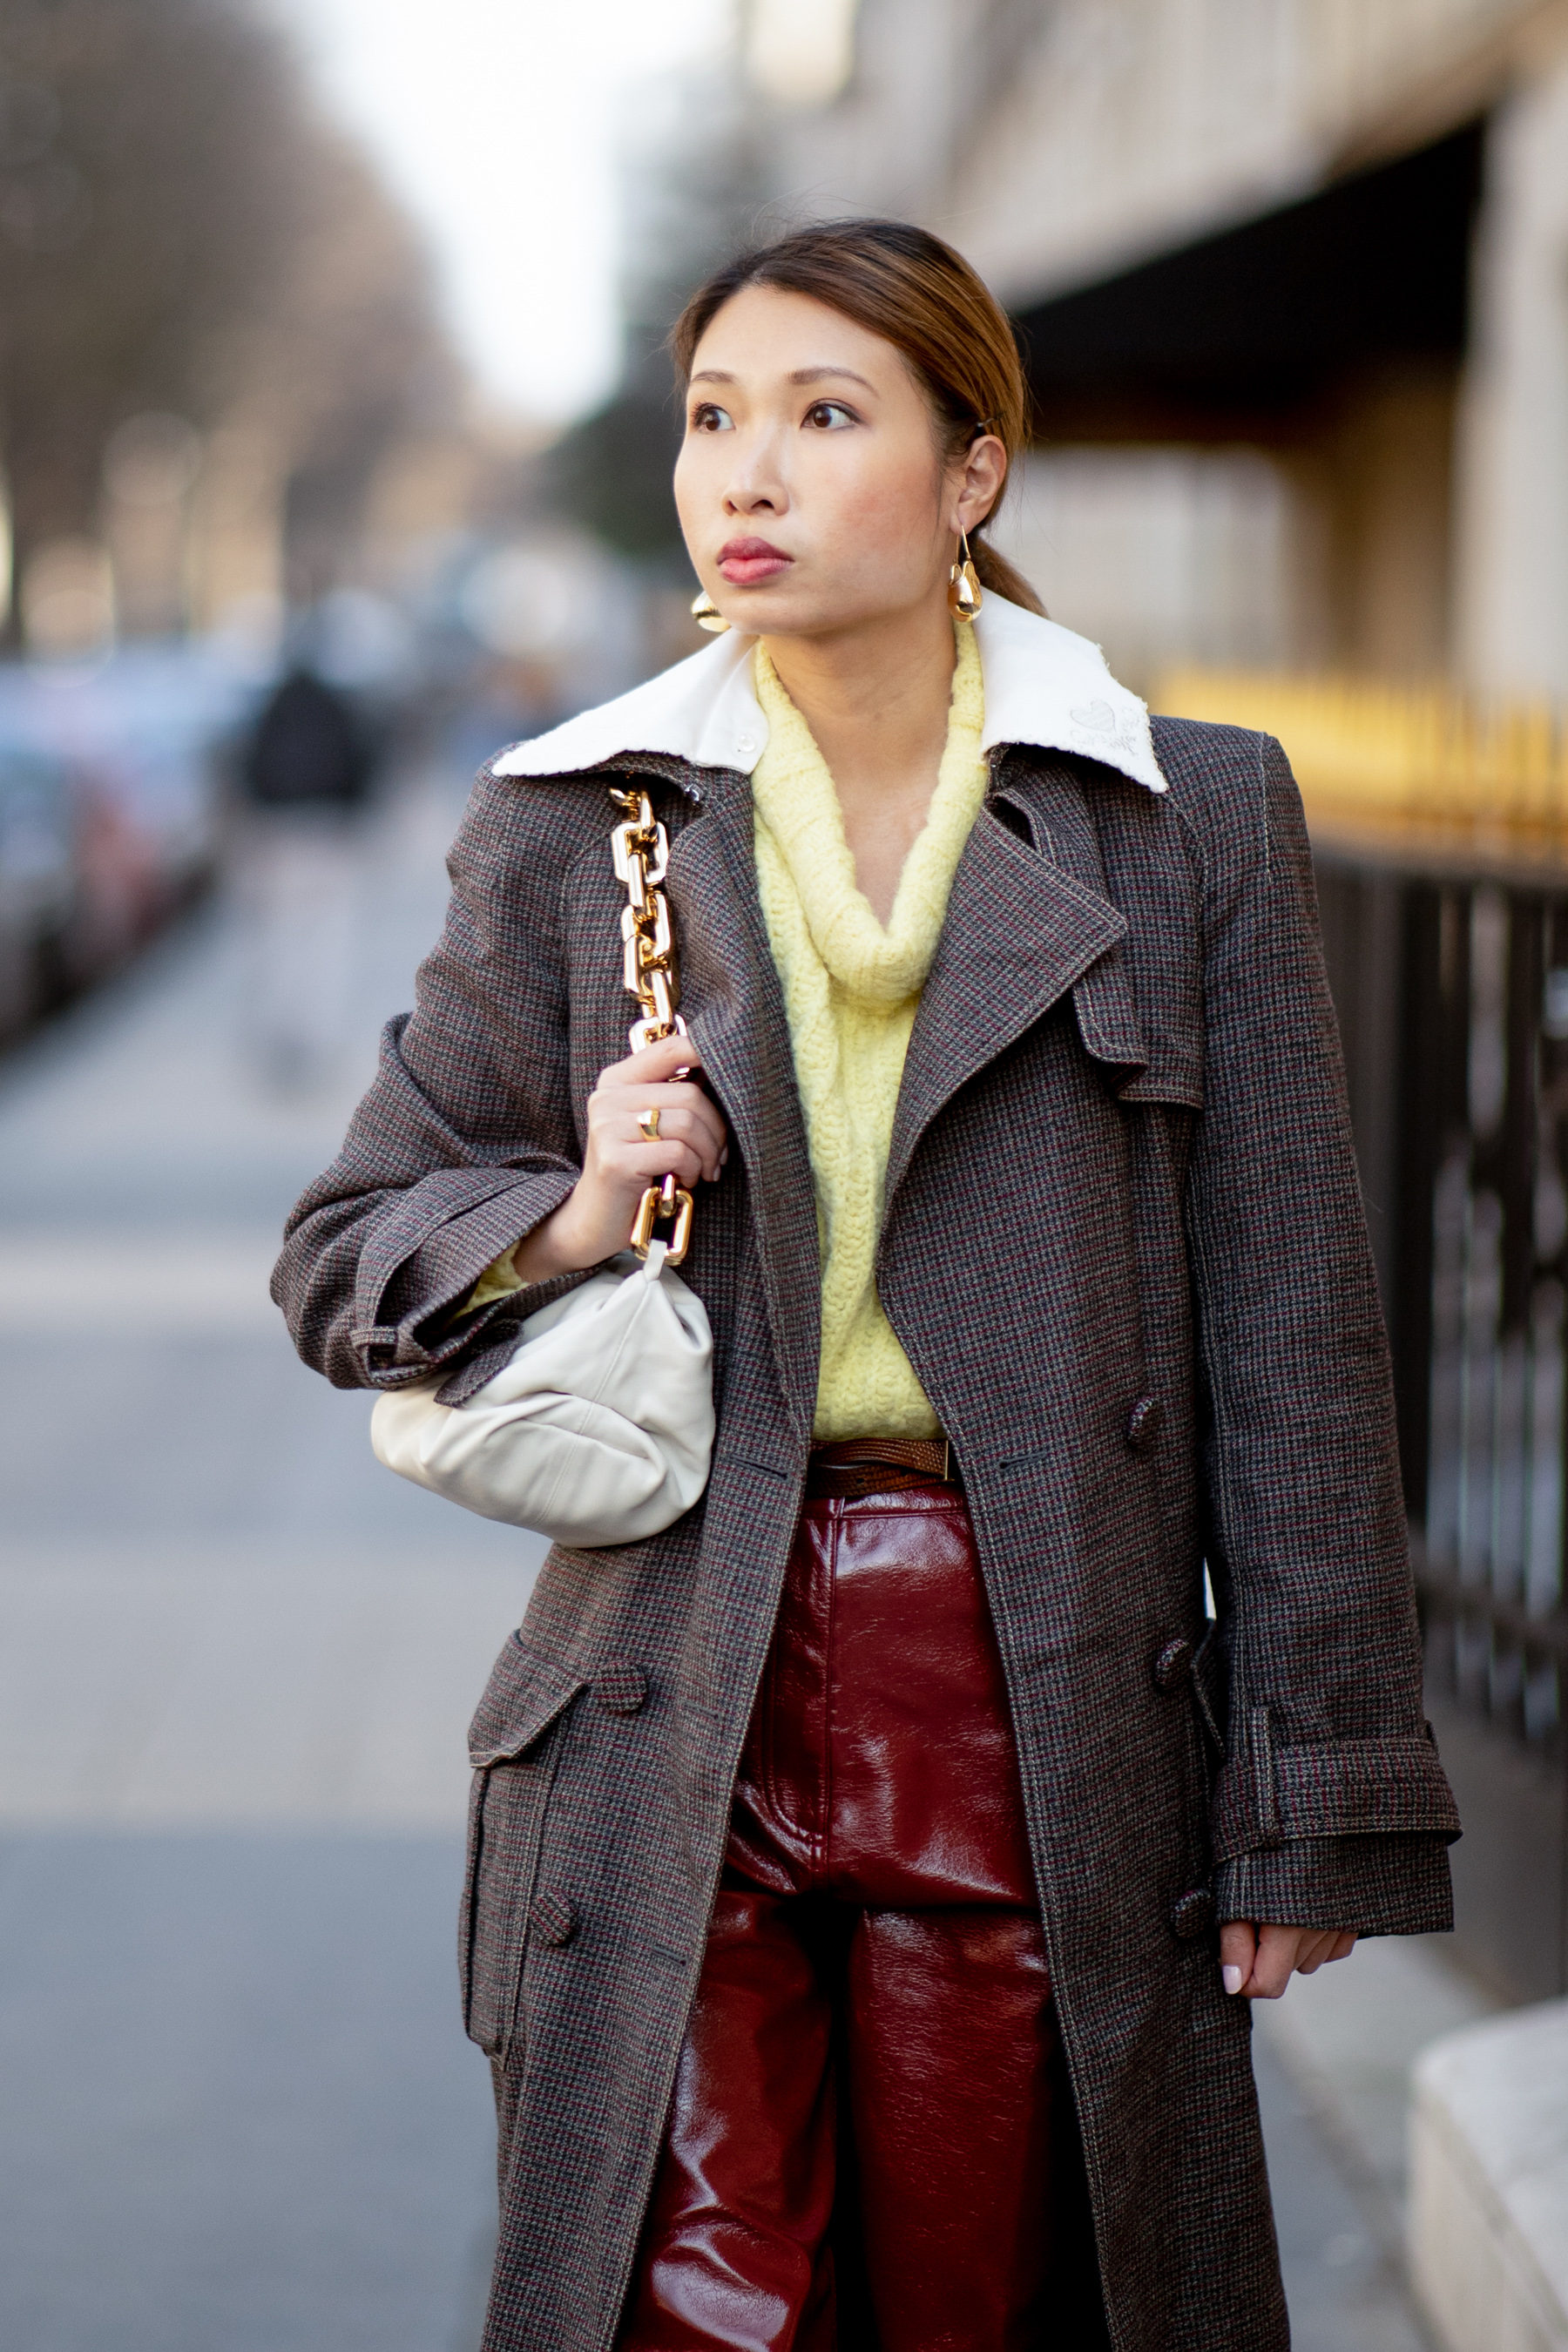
[[744, 562]]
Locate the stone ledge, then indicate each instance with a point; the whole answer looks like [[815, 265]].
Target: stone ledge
[[1489, 2184]]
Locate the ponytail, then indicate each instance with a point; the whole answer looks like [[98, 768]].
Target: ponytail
[[994, 572]]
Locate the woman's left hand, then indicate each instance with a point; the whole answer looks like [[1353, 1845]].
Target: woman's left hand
[[1258, 1962]]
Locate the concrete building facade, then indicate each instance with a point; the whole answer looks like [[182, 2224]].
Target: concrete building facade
[[1293, 281]]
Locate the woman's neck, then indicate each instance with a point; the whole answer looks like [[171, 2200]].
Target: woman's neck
[[876, 698]]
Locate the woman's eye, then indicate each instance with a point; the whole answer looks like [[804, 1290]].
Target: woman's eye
[[829, 416], [708, 418]]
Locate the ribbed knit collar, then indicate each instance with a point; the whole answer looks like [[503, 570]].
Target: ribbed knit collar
[[796, 803]]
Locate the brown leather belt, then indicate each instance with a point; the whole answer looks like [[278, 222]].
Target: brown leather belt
[[879, 1465]]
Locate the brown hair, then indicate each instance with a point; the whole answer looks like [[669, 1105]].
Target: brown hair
[[908, 286]]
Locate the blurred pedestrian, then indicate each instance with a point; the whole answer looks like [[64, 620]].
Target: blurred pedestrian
[[309, 748], [307, 772], [869, 1875]]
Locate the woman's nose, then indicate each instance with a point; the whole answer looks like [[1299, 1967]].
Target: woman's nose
[[754, 484]]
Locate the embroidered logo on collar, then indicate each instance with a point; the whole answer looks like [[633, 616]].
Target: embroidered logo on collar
[[1099, 719]]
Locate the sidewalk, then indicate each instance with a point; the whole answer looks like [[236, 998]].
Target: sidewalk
[[237, 1662], [1334, 2061]]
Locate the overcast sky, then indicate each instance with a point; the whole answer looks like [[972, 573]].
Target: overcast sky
[[494, 121]]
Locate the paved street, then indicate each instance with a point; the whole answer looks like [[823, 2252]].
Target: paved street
[[237, 1659], [236, 2111]]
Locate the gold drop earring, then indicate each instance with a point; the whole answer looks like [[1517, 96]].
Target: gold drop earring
[[963, 591], [707, 615]]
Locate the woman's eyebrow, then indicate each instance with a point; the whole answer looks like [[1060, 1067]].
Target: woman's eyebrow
[[816, 375], [797, 375]]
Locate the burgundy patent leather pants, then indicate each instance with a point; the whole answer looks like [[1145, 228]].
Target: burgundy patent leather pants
[[860, 2150]]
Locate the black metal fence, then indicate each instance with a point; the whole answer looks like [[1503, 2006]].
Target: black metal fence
[[1453, 998]]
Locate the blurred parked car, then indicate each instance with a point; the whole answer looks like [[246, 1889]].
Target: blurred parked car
[[110, 809], [37, 880]]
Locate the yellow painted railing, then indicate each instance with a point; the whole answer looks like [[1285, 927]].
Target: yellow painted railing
[[1428, 766]]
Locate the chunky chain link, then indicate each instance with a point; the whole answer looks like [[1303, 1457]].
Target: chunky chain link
[[639, 847]]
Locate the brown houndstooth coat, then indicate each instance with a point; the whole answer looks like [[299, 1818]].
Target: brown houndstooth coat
[[1124, 1250]]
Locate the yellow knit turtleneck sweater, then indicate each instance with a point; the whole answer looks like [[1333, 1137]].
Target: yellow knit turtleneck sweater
[[850, 991]]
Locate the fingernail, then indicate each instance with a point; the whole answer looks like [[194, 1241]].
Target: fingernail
[[1230, 1977]]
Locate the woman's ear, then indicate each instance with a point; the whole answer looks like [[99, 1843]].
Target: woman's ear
[[978, 480]]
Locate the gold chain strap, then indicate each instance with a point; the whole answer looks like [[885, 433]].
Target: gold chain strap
[[641, 849]]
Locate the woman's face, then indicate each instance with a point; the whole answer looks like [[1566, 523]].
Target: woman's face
[[809, 485]]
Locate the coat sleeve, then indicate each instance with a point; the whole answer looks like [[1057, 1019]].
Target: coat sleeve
[[466, 1140], [1331, 1809]]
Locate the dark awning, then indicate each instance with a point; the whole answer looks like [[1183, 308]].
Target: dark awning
[[1375, 268]]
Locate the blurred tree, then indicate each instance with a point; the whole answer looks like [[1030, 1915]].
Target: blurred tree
[[345, 359], [690, 183], [182, 234], [611, 472]]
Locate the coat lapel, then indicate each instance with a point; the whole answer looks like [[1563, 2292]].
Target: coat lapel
[[733, 1004], [1025, 924]]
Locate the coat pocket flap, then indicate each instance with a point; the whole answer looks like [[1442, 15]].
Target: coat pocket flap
[[525, 1693], [1173, 1074], [1108, 1022], [1143, 1061]]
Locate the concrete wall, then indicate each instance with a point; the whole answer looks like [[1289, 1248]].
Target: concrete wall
[[1056, 145], [1512, 563], [1053, 143], [1162, 555], [1489, 2184]]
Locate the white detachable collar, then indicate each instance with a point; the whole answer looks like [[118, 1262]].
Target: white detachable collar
[[1043, 685]]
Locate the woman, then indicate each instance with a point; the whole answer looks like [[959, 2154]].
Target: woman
[[869, 1876]]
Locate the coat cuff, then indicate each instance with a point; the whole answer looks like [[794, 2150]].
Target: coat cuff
[[1273, 1793], [1394, 1884], [411, 1279]]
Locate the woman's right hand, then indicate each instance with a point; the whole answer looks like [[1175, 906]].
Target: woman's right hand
[[619, 1163]]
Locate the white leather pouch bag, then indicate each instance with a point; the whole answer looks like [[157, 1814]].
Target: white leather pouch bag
[[600, 1429]]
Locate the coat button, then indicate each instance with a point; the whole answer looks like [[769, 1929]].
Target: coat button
[[1145, 1423], [555, 1918], [1173, 1661], [1191, 1913], [620, 1686]]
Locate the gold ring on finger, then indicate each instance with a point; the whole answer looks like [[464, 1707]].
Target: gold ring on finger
[[649, 1122]]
